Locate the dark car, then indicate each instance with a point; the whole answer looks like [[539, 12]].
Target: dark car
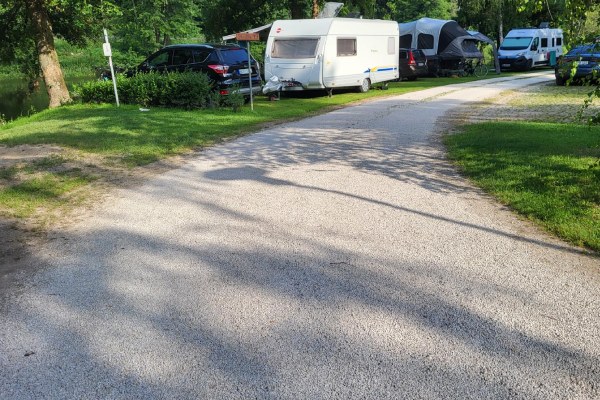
[[580, 63], [226, 65], [412, 64]]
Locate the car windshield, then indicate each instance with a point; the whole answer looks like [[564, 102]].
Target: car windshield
[[515, 43], [294, 48], [234, 56]]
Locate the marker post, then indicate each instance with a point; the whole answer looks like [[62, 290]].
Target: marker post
[[108, 53]]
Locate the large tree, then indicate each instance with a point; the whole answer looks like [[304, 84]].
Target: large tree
[[41, 30], [28, 27]]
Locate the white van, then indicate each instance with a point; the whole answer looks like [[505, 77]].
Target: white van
[[530, 47], [332, 53]]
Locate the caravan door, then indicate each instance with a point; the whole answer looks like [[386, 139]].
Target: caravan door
[[296, 61]]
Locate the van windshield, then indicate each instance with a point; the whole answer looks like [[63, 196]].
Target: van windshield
[[515, 43], [294, 48]]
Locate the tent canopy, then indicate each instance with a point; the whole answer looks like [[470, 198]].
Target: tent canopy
[[439, 37]]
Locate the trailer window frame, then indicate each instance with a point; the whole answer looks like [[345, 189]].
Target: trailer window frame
[[301, 52], [349, 47]]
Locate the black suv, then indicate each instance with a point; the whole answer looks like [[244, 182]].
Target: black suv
[[226, 65], [412, 64]]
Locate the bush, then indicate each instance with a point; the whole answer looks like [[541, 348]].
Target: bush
[[189, 90]]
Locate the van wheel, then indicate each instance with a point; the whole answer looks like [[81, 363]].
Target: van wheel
[[364, 86], [529, 65]]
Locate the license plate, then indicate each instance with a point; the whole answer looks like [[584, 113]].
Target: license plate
[[506, 65], [582, 63], [420, 64], [243, 71]]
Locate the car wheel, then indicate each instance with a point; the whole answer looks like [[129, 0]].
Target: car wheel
[[364, 86], [529, 65]]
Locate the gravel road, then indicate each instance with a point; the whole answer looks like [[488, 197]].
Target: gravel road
[[335, 257]]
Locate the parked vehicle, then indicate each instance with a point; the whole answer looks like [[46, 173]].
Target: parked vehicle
[[523, 49], [584, 60], [330, 53], [412, 63], [226, 65], [444, 42]]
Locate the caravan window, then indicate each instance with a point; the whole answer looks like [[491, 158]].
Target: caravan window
[[424, 41], [346, 47], [559, 41], [406, 41], [515, 43], [544, 42], [294, 48], [391, 45]]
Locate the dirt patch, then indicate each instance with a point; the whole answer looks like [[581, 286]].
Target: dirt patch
[[11, 156]]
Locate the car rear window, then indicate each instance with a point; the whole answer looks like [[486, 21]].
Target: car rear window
[[234, 56]]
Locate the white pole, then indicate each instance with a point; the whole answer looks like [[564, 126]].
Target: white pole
[[108, 52], [250, 75]]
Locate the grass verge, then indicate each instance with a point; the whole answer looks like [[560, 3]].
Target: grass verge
[[548, 172]]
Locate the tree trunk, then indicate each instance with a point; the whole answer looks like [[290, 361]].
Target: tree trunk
[[297, 9], [44, 40], [500, 26], [315, 9]]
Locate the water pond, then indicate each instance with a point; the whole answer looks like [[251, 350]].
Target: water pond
[[17, 100]]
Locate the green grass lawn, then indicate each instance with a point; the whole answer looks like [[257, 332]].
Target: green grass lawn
[[548, 172], [127, 137], [142, 137]]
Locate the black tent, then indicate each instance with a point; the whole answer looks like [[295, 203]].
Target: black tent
[[444, 42]]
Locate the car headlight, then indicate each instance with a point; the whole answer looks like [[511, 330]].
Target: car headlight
[[521, 54]]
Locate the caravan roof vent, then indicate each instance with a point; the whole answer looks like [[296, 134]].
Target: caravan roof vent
[[544, 25]]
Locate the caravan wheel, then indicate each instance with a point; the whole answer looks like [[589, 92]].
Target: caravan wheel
[[364, 86]]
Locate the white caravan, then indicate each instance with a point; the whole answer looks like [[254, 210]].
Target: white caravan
[[530, 47], [331, 53]]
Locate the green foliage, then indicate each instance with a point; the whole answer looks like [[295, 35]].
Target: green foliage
[[223, 17], [143, 26], [545, 171], [234, 99], [189, 90], [406, 10]]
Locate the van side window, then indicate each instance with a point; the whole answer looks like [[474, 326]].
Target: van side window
[[544, 42], [535, 44], [559, 41], [392, 45], [346, 47], [425, 41], [406, 41], [553, 42]]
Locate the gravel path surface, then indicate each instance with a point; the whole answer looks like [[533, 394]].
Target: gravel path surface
[[336, 257]]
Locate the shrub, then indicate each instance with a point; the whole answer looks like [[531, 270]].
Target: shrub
[[189, 90]]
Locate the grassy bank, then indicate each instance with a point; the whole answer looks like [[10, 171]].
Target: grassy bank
[[547, 172]]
